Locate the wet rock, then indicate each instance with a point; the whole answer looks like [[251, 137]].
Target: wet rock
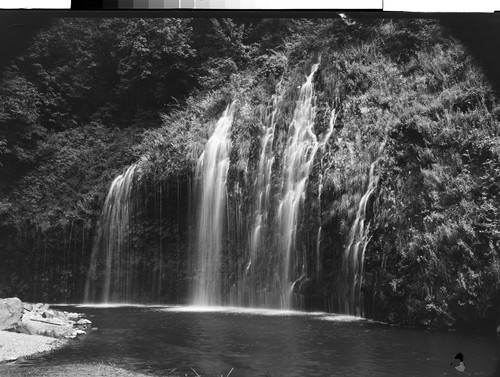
[[83, 321], [305, 286], [72, 316], [11, 312]]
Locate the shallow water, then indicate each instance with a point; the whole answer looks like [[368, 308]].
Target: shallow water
[[214, 341]]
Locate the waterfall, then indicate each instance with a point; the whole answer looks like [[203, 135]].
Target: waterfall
[[318, 254], [353, 259], [257, 280], [110, 250], [318, 236], [274, 263], [301, 147], [263, 179], [268, 271], [324, 141], [211, 174]]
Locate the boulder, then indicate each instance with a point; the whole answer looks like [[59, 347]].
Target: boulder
[[72, 316], [41, 307], [83, 321], [39, 319], [11, 312], [34, 324]]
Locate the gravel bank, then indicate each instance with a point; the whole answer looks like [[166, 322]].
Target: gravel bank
[[15, 345], [78, 370]]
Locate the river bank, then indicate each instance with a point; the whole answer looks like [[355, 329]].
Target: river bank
[[29, 329], [16, 345], [94, 370]]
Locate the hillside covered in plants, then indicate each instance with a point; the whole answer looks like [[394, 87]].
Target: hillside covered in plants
[[388, 130]]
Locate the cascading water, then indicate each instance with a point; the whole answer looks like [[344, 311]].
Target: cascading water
[[269, 274], [257, 280], [275, 265], [211, 174], [323, 143], [318, 245], [353, 259], [266, 277], [301, 147], [110, 250], [263, 181]]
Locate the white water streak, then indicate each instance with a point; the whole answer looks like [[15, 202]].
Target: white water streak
[[263, 180], [301, 148], [211, 175], [353, 259], [324, 142], [111, 244]]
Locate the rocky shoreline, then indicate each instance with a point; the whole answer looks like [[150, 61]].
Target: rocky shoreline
[[27, 329]]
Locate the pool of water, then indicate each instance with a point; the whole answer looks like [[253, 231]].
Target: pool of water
[[219, 341]]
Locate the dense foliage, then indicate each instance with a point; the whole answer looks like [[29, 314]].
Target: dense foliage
[[92, 96]]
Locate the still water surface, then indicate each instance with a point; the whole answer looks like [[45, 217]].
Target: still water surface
[[157, 339]]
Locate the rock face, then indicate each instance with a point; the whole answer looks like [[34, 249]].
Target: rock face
[[11, 312]]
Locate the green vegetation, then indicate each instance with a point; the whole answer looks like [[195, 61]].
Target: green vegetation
[[90, 97]]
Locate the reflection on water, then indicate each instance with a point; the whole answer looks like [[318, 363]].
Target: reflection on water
[[268, 343]]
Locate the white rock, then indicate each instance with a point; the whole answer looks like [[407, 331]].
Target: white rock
[[11, 312]]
